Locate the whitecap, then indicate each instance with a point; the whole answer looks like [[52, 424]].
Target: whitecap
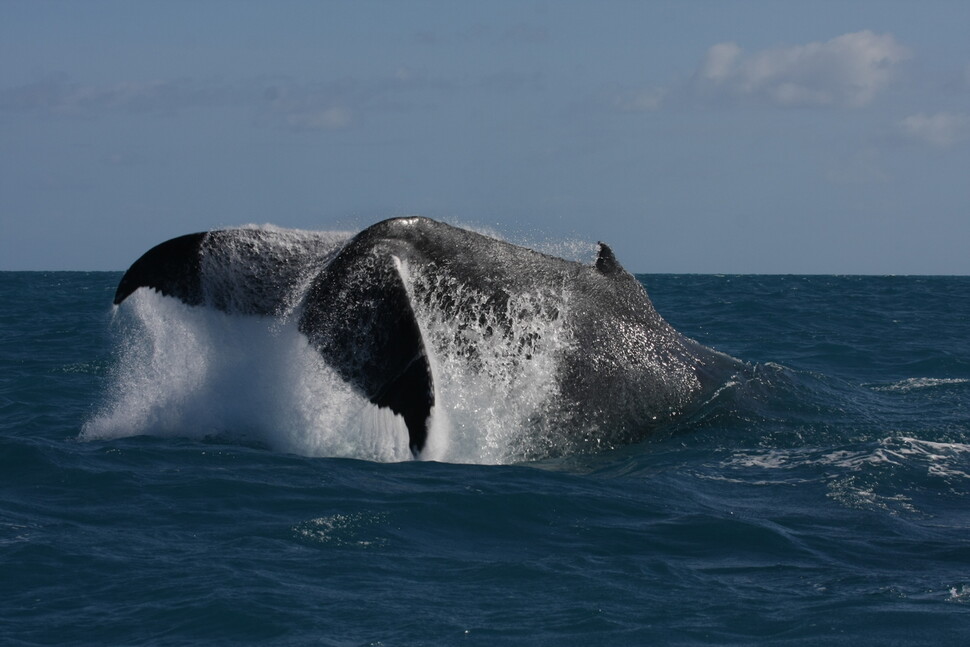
[[915, 383]]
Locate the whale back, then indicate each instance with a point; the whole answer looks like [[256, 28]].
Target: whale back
[[406, 297]]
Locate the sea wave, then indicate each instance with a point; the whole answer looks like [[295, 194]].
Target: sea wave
[[917, 383], [938, 458]]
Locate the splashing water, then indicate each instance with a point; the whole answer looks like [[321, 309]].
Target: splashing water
[[201, 372], [198, 372], [495, 368]]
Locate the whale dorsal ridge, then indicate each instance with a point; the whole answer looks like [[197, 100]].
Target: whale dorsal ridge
[[606, 261]]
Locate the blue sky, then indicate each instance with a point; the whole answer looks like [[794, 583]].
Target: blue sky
[[734, 137]]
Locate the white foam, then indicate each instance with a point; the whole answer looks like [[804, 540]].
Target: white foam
[[944, 460], [341, 529], [959, 593], [915, 383], [197, 372]]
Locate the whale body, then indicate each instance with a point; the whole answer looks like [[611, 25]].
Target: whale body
[[411, 302]]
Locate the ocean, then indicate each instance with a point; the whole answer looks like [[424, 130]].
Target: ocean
[[821, 497]]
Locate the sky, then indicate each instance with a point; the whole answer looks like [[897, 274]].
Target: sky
[[693, 137]]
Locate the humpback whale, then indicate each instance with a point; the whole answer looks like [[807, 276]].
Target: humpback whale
[[407, 302]]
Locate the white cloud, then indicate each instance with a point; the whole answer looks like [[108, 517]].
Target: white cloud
[[721, 61], [58, 95], [858, 168], [943, 129], [641, 100], [322, 119], [849, 70], [305, 107], [278, 101]]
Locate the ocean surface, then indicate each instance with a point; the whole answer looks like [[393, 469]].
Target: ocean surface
[[820, 498]]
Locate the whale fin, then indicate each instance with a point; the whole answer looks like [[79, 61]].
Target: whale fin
[[171, 268], [358, 316], [606, 261]]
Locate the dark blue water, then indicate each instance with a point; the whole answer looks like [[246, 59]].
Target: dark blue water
[[821, 498]]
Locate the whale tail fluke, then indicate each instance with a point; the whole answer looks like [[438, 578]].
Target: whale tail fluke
[[171, 268], [356, 311]]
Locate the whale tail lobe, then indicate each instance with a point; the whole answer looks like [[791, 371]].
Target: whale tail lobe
[[356, 312]]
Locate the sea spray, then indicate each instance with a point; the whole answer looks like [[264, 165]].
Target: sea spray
[[495, 368], [488, 352], [225, 371], [198, 372]]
